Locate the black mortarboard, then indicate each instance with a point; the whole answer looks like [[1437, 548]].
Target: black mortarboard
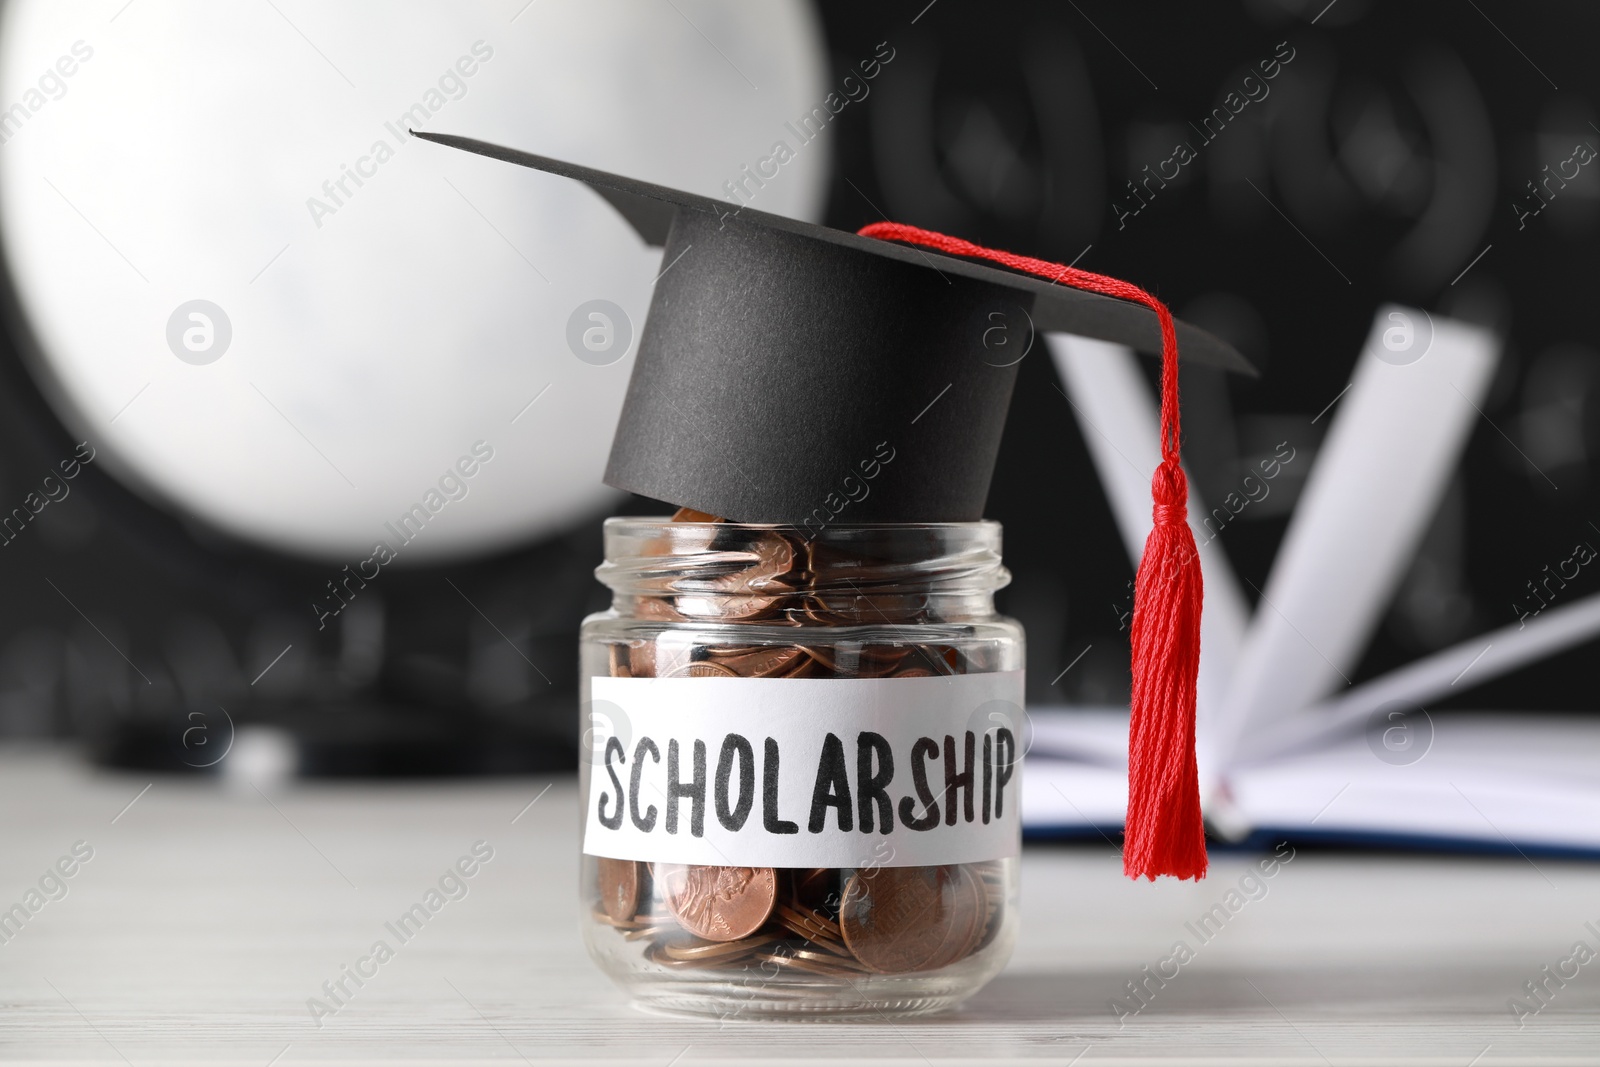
[[780, 358]]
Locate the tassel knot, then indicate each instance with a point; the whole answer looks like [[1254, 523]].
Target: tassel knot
[[1170, 514], [1170, 488], [1170, 491]]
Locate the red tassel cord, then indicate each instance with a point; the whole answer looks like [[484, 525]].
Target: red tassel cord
[[1165, 834]]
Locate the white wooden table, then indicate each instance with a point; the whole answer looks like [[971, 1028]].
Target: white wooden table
[[208, 915]]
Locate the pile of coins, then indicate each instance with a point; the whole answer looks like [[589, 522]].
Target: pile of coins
[[778, 578], [822, 921], [819, 921]]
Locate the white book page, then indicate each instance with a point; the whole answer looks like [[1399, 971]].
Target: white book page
[[1432, 678], [1070, 796], [1500, 779], [1396, 436], [1097, 735], [1121, 425]]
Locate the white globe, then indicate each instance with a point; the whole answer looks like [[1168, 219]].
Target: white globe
[[268, 308]]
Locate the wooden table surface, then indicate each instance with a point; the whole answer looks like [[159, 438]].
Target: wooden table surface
[[209, 913]]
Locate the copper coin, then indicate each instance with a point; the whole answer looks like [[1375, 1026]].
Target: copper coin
[[657, 955], [832, 946], [879, 666], [726, 606], [984, 933], [719, 903], [879, 607], [749, 562], [599, 915], [967, 920], [700, 669], [660, 608], [838, 566], [730, 651], [813, 929], [985, 913], [818, 612], [619, 887], [913, 672], [897, 919], [716, 950], [818, 657], [794, 963], [691, 515], [856, 660], [772, 662], [827, 959], [649, 914], [995, 898], [774, 558], [789, 963], [642, 659], [813, 962], [767, 554], [620, 667], [931, 660], [806, 667]]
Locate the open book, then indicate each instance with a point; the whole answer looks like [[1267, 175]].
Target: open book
[[1287, 745]]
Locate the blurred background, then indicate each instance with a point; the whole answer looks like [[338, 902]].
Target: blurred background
[[262, 327]]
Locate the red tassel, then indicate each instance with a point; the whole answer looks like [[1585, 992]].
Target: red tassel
[[1165, 833]]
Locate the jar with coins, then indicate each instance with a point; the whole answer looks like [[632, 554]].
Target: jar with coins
[[800, 769]]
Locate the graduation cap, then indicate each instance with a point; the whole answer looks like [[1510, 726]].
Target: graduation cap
[[779, 357]]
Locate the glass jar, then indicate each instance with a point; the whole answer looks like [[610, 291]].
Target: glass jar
[[799, 767]]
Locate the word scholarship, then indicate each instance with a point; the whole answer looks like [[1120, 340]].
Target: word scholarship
[[867, 802]]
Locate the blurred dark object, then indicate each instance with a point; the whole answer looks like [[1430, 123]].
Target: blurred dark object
[[1407, 152]]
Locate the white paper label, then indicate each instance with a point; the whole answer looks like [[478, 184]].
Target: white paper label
[[806, 772]]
